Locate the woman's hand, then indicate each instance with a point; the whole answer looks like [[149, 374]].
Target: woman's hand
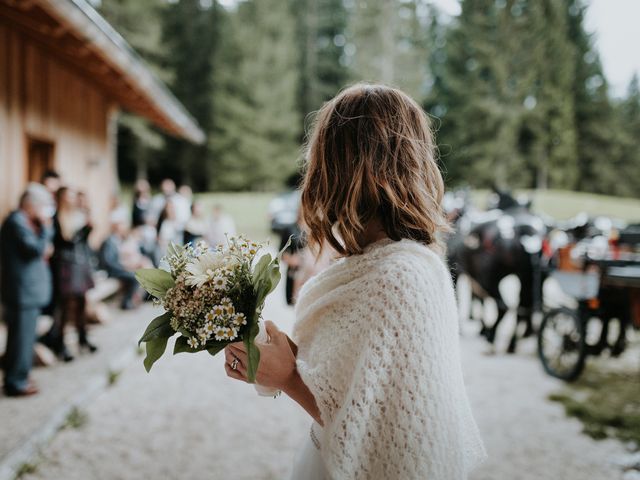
[[277, 366]]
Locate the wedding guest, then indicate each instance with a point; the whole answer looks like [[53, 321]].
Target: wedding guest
[[197, 226], [221, 224], [310, 263], [159, 201], [169, 229], [292, 257], [72, 268], [51, 181], [25, 283], [83, 203], [183, 201], [120, 256], [141, 203]]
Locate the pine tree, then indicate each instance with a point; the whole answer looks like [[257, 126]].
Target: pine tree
[[190, 37], [629, 124], [593, 111], [387, 42], [320, 35], [258, 130], [500, 78]]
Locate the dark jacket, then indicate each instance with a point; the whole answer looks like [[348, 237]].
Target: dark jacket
[[25, 274]]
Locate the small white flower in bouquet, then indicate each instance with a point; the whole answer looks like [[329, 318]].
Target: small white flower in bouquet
[[211, 297]]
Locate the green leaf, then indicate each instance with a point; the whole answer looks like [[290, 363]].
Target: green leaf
[[253, 353], [216, 348], [159, 327], [182, 346], [174, 250], [155, 281], [284, 249], [155, 349], [261, 268]]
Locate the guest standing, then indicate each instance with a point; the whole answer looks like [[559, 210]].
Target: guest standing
[[26, 283], [141, 203], [292, 256], [72, 268], [221, 225], [198, 225]]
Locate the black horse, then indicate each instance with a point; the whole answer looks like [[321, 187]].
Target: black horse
[[504, 241]]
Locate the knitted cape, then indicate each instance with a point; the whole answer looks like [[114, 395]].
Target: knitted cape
[[378, 347]]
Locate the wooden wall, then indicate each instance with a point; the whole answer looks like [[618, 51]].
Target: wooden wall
[[45, 98]]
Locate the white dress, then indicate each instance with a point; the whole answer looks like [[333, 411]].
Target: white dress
[[378, 348], [308, 464]]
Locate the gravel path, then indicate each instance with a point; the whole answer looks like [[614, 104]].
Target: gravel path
[[181, 422]]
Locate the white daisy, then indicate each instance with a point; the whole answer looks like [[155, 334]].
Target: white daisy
[[240, 319], [220, 333], [203, 268], [219, 282], [192, 342], [217, 311]]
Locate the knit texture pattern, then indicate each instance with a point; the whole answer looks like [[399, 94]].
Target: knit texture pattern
[[378, 347]]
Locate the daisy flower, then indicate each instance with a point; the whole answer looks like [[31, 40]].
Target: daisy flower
[[202, 269], [217, 311], [240, 319], [219, 282]]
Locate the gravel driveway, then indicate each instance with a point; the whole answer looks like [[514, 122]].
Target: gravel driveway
[[186, 420]]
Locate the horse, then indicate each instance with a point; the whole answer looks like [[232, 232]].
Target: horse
[[487, 247]]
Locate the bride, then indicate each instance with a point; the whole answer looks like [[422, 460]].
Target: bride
[[375, 356]]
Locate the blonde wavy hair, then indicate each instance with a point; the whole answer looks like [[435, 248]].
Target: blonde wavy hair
[[371, 156]]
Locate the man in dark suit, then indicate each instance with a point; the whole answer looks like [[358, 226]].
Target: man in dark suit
[[25, 285]]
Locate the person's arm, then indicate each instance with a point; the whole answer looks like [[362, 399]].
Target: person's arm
[[277, 368], [29, 243], [300, 393]]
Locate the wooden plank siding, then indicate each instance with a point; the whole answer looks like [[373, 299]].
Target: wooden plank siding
[[44, 98]]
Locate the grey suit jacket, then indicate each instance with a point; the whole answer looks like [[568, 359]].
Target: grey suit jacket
[[25, 278]]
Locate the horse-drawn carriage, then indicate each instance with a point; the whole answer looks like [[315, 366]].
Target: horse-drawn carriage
[[606, 288], [600, 274]]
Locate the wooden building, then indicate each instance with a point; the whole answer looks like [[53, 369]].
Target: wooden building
[[64, 75]]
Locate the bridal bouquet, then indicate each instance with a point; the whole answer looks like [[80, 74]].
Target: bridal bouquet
[[211, 297]]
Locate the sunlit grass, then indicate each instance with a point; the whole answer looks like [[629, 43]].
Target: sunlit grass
[[248, 209]]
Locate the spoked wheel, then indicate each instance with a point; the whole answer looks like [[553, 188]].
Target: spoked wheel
[[562, 344]]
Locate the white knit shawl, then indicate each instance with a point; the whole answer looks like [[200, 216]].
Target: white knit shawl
[[378, 347]]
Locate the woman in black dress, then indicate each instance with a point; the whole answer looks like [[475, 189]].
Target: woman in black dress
[[71, 264]]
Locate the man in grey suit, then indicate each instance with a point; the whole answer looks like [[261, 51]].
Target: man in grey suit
[[25, 285]]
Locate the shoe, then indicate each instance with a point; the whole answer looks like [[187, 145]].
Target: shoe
[[29, 390], [87, 345], [65, 355]]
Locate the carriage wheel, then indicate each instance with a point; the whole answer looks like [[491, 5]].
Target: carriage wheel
[[562, 344]]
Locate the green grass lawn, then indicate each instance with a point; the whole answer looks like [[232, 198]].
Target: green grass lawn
[[562, 204], [606, 402], [248, 209]]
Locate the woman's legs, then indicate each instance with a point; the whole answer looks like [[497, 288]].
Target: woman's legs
[[80, 315], [60, 322]]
